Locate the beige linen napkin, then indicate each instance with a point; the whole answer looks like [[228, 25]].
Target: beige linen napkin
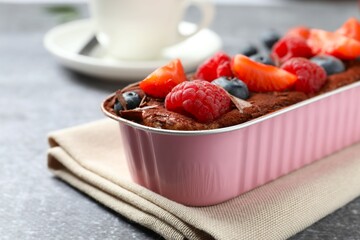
[[90, 158]]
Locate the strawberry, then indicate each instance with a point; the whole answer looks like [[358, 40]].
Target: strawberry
[[160, 82], [351, 29], [335, 44], [260, 77]]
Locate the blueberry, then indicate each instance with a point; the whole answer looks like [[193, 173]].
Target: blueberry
[[132, 101], [117, 107], [262, 59], [269, 38], [233, 86], [329, 63], [248, 50]]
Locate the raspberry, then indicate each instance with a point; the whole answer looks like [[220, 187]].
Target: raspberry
[[310, 76], [198, 99], [217, 66], [290, 47], [299, 31]]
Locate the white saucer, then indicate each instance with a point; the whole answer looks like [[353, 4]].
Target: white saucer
[[65, 41]]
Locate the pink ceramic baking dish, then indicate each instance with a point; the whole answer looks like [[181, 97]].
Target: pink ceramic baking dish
[[201, 168]]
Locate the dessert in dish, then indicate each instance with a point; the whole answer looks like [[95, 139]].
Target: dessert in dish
[[230, 90], [201, 168]]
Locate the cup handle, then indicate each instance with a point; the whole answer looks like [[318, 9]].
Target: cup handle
[[207, 10]]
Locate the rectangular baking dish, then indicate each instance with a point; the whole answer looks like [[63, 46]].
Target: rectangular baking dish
[[201, 168]]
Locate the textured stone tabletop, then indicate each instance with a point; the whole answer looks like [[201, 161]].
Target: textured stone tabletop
[[37, 95]]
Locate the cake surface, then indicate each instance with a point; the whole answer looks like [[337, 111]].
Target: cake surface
[[226, 91], [152, 113]]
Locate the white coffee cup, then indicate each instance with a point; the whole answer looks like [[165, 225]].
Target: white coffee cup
[[141, 29]]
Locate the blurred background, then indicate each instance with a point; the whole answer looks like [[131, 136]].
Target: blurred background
[[38, 95]]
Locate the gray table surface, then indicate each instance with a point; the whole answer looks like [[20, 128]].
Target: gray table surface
[[37, 95]]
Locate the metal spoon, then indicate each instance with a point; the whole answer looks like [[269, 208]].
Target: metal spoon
[[89, 46]]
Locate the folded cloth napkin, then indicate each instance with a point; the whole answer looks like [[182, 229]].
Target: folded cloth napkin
[[90, 158]]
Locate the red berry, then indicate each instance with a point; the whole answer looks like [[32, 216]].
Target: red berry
[[351, 29], [310, 76], [260, 77], [160, 82], [289, 47], [334, 44], [299, 31], [215, 67], [198, 99]]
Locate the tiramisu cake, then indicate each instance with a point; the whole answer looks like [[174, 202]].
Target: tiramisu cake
[[228, 90]]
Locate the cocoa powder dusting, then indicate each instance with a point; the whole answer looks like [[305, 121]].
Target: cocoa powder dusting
[[153, 113]]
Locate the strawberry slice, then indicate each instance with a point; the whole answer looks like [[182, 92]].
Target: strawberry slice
[[160, 82], [351, 29], [299, 31], [260, 77], [335, 44]]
